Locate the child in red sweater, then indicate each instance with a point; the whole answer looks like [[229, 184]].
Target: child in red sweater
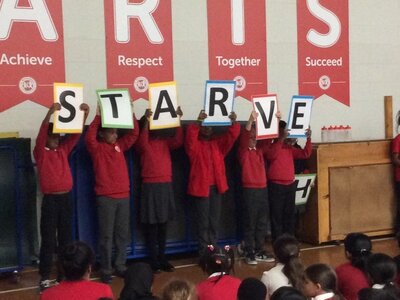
[[207, 178], [51, 155], [255, 196], [112, 191], [218, 263], [282, 187], [157, 204]]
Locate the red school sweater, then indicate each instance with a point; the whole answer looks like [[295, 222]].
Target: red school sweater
[[77, 290], [207, 154], [350, 281], [109, 164], [252, 162], [155, 156], [280, 158], [216, 288], [53, 167]]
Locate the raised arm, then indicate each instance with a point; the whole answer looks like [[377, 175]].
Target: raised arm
[[226, 141], [177, 140], [306, 152], [91, 133], [130, 138]]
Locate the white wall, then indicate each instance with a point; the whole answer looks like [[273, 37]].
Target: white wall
[[374, 63]]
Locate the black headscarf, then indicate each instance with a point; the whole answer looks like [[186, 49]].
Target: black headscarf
[[138, 282]]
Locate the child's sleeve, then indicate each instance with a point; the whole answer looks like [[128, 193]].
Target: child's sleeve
[[226, 142], [70, 142], [143, 141], [303, 153], [243, 144], [41, 140], [192, 139], [264, 145], [176, 141], [91, 134], [130, 138]]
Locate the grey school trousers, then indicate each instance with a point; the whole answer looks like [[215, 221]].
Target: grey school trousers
[[113, 219]]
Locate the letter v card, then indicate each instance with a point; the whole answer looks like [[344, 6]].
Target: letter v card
[[267, 124], [299, 116]]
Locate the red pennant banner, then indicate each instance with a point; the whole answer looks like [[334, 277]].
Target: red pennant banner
[[323, 49], [31, 51], [138, 44], [237, 47]]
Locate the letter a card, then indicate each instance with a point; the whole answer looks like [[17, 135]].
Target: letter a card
[[267, 124], [163, 103], [70, 118], [218, 102], [299, 116], [116, 109]]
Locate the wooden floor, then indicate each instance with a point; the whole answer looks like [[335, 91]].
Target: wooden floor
[[186, 268]]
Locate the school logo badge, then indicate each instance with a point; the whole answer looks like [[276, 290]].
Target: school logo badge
[[27, 85], [141, 84]]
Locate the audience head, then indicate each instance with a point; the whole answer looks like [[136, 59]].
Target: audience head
[[287, 293], [178, 290], [287, 251], [138, 282], [252, 289], [320, 279], [216, 259], [382, 269], [76, 260], [357, 246]]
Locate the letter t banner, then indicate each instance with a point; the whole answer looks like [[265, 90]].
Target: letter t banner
[[70, 118], [237, 44], [116, 109], [267, 124], [323, 33]]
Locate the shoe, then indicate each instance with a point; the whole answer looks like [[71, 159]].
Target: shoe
[[251, 259], [45, 284], [239, 250], [167, 267], [106, 278], [156, 267], [120, 273], [265, 257]]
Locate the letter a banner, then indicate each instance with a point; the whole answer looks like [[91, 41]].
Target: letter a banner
[[138, 44], [237, 47], [31, 51], [323, 49]]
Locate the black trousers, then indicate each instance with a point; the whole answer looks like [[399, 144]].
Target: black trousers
[[55, 229], [282, 208], [156, 238], [207, 214], [255, 216]]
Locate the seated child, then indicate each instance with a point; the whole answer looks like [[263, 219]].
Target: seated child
[[288, 271], [320, 283], [178, 290], [352, 276], [287, 293], [220, 285], [252, 288], [76, 261]]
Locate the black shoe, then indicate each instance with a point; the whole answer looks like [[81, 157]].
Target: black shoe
[[167, 267], [106, 278], [120, 273], [155, 266]]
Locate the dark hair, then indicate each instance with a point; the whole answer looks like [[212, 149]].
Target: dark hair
[[252, 289], [359, 246], [382, 269], [287, 293], [216, 259], [138, 281], [282, 124], [50, 129], [76, 259], [377, 294], [177, 290], [323, 275], [286, 249]]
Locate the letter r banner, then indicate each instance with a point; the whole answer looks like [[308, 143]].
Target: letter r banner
[[138, 44], [323, 36], [237, 47], [31, 51]]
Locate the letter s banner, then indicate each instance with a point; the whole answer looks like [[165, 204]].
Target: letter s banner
[[138, 44], [323, 35], [32, 51], [237, 44]]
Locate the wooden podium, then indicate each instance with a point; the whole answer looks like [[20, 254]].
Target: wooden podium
[[354, 191]]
